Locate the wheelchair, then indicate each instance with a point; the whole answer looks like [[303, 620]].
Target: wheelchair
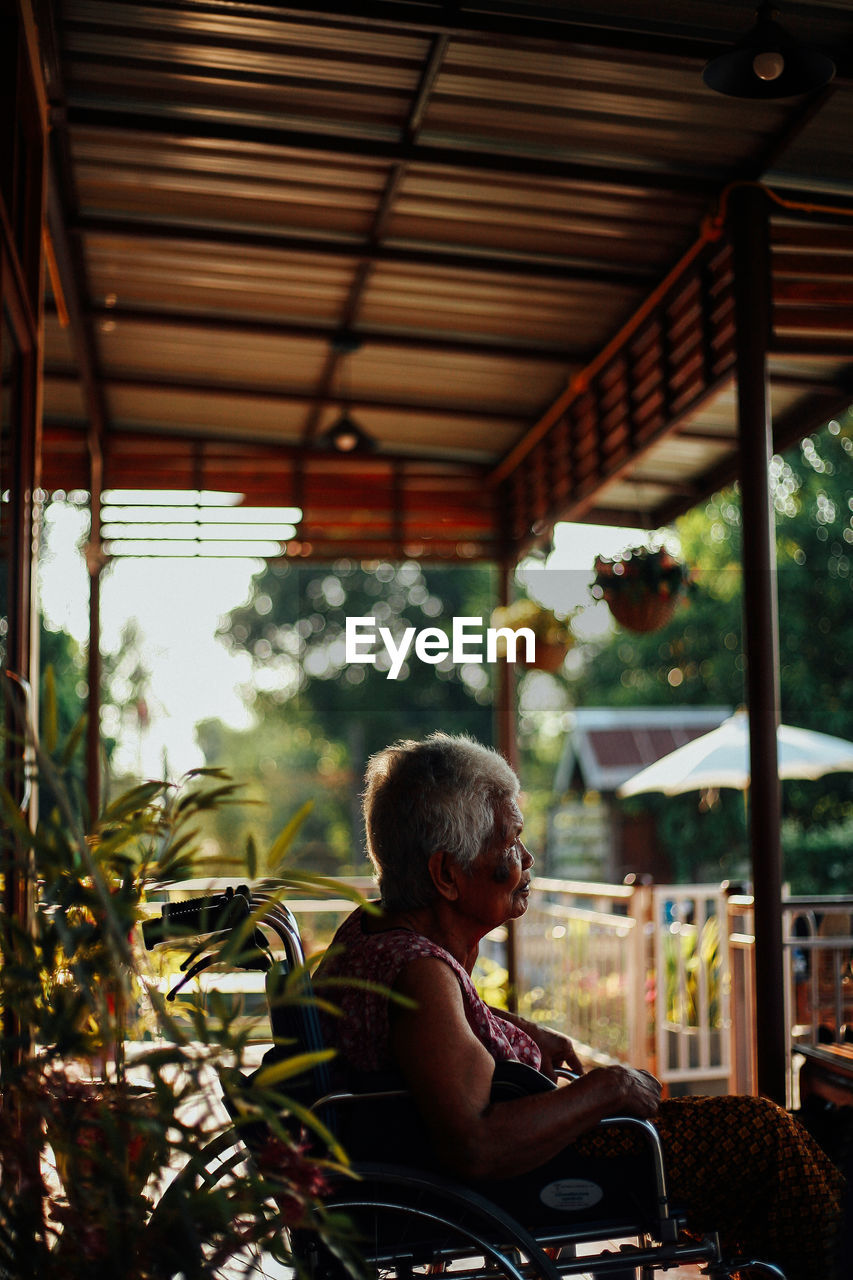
[[398, 1215]]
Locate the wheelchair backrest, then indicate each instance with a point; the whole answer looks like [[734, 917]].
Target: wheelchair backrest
[[293, 1014]]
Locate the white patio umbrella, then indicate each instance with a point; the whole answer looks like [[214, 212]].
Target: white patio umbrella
[[721, 759]]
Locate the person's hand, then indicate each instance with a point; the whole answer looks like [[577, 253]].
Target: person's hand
[[557, 1050], [630, 1091]]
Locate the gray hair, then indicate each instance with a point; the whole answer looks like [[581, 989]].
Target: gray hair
[[445, 792]]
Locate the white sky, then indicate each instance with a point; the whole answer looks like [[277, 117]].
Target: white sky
[[179, 603]]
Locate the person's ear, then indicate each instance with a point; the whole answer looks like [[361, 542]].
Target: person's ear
[[444, 871]]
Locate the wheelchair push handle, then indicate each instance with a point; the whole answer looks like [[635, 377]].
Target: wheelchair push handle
[[210, 913]]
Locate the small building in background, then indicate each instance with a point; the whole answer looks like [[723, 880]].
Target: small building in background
[[590, 836]]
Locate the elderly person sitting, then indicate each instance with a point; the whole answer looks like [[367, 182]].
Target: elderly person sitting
[[444, 833]]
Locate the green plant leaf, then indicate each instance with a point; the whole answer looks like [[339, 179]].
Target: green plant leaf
[[207, 771], [286, 836], [70, 749], [201, 799], [251, 856], [290, 1067], [50, 713], [132, 801], [14, 817]]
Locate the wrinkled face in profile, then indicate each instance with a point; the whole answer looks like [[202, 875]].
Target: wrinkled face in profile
[[501, 875]]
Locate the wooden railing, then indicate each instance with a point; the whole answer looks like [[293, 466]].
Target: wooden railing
[[637, 974], [658, 976], [583, 964], [817, 935]]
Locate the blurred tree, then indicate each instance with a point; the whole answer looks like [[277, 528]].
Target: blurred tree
[[125, 695], [125, 674], [124, 708], [62, 688], [316, 717], [60, 652], [283, 763], [293, 626], [698, 657]]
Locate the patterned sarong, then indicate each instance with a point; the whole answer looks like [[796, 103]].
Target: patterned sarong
[[748, 1169]]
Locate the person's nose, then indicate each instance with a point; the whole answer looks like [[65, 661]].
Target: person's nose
[[526, 856]]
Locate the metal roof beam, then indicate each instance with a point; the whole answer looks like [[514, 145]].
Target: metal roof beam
[[338, 352], [510, 264], [617, 174], [526, 26], [61, 435], [205, 323], [218, 390]]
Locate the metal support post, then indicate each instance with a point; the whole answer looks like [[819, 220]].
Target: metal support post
[[507, 745], [750, 240]]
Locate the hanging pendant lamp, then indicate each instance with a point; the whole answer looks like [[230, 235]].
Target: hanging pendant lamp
[[346, 436], [768, 63]]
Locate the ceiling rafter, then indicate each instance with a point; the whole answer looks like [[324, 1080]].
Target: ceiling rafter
[[622, 172], [775, 146], [565, 467], [68, 437], [338, 351], [218, 389], [247, 451], [646, 35], [361, 249], [205, 323], [170, 173]]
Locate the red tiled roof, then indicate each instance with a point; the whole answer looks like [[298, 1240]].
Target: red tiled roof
[[608, 744]]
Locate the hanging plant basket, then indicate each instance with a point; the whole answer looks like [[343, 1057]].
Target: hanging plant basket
[[642, 588], [553, 636], [550, 655], [648, 613]]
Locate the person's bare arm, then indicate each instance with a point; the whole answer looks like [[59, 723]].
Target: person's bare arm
[[557, 1049], [450, 1074]]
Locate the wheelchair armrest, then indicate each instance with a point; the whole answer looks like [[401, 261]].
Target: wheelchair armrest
[[563, 1073], [650, 1136], [348, 1096]]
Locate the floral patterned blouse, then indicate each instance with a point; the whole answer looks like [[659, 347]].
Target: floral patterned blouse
[[362, 1032]]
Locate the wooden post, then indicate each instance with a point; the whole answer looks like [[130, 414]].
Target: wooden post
[[750, 240], [94, 563], [507, 745]]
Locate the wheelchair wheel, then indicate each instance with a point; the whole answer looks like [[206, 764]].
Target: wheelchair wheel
[[208, 1226], [399, 1224]]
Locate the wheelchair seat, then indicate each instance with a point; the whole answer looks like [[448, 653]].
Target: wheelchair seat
[[378, 1121]]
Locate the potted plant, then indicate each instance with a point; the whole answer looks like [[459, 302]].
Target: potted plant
[[553, 636], [87, 1140], [642, 586]]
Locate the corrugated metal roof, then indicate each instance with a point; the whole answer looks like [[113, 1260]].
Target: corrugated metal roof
[[437, 217]]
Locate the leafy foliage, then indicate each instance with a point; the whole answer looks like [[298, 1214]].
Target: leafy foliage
[[640, 572], [698, 658], [86, 1138], [294, 626], [316, 717]]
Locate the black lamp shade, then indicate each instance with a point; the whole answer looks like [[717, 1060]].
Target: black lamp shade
[[747, 71], [346, 436]]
